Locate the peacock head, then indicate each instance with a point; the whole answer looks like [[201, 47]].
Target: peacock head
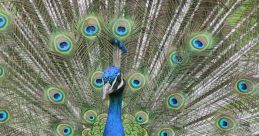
[[113, 81]]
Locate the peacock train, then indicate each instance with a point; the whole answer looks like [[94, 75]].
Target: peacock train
[[129, 67]]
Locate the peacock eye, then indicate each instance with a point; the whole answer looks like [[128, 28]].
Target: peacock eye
[[4, 116], [58, 96], [175, 101], [62, 44], [3, 21], [90, 27], [178, 58], [91, 30], [96, 80], [67, 131], [141, 117], [90, 116], [166, 132], [136, 81], [163, 133], [244, 86], [1, 71], [122, 28], [64, 130], [201, 41], [55, 95], [225, 122]]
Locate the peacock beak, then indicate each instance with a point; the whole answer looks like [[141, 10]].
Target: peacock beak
[[107, 89]]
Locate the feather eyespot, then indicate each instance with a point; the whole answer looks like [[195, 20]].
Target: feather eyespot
[[141, 117], [201, 42], [4, 20], [177, 58], [58, 96], [62, 44], [122, 28], [2, 71], [244, 86], [64, 130], [225, 122], [136, 81], [91, 30], [90, 27], [4, 116], [90, 116], [166, 132], [175, 101], [96, 80], [55, 95]]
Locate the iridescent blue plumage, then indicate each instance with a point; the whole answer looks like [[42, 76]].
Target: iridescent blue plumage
[[163, 133], [91, 30], [120, 30], [190, 66], [242, 86], [114, 126], [67, 131], [3, 115], [110, 74], [223, 123], [2, 21], [120, 44], [64, 46], [57, 97], [173, 102], [176, 59], [135, 83], [197, 44], [98, 82], [139, 119]]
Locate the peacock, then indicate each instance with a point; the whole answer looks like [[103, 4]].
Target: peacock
[[129, 67]]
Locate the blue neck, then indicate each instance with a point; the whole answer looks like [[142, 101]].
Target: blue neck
[[114, 126]]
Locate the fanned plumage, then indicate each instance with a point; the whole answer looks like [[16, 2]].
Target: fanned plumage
[[180, 67]]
